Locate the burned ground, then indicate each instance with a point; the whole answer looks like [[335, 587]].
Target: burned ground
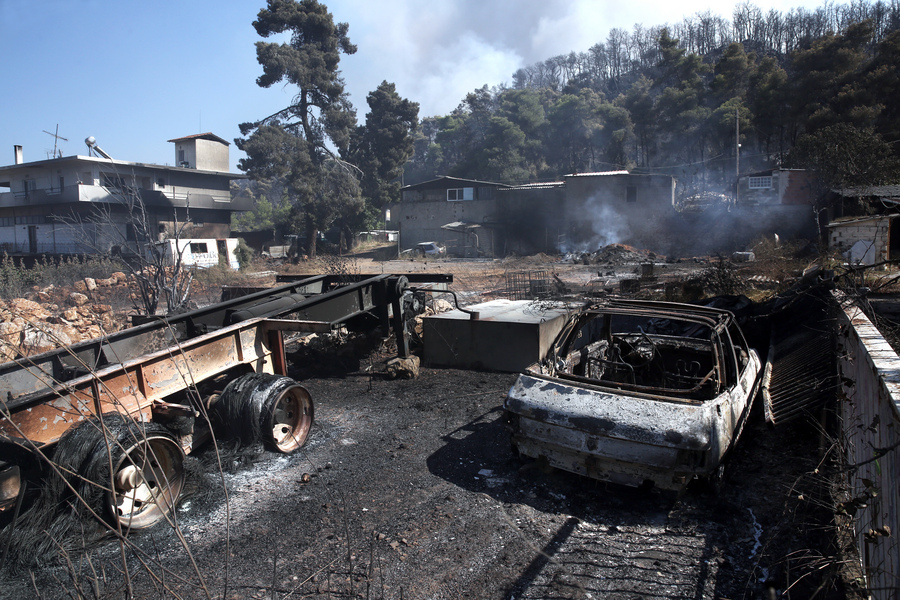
[[410, 489]]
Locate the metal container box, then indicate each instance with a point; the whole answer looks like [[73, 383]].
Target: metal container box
[[508, 335]]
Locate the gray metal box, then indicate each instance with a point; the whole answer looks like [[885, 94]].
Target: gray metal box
[[508, 336]]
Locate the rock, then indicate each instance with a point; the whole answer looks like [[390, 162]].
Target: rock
[[23, 306], [10, 335], [80, 286], [403, 368], [90, 283], [77, 299], [441, 305], [48, 337], [70, 314]]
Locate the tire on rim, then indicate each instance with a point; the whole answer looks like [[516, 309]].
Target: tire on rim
[[271, 409], [129, 472]]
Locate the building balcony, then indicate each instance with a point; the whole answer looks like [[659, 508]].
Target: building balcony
[[71, 194]]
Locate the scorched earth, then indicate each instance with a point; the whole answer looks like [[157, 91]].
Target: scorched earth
[[410, 489]]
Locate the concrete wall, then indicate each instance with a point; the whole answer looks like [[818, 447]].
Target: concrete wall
[[421, 222], [874, 233], [870, 414], [212, 156], [789, 187], [618, 208], [583, 213]]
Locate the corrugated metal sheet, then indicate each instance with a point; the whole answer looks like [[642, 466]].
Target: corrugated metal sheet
[[801, 372]]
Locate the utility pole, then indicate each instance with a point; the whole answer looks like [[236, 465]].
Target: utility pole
[[737, 152]]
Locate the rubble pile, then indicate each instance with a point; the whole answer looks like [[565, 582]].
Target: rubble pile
[[612, 254], [54, 316]]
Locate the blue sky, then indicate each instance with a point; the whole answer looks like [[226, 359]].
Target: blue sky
[[136, 74]]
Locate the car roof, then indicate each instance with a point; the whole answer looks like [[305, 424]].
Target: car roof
[[690, 312]]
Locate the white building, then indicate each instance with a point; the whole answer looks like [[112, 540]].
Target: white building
[[84, 204]]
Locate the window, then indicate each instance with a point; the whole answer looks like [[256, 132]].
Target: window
[[760, 183], [31, 220], [459, 194], [631, 193], [198, 248], [113, 182]]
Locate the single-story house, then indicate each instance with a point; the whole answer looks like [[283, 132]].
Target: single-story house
[[581, 212]]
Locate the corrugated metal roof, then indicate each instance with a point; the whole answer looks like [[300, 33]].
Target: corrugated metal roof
[[878, 191], [598, 173], [455, 180], [539, 185], [852, 220], [800, 373]]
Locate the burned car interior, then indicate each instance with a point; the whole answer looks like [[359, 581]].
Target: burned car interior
[[637, 392], [674, 355]]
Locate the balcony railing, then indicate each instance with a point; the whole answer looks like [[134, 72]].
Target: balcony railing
[[197, 198]]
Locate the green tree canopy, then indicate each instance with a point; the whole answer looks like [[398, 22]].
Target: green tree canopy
[[382, 146], [845, 156], [300, 142]]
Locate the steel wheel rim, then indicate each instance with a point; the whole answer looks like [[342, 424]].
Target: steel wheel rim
[[146, 482], [291, 419]]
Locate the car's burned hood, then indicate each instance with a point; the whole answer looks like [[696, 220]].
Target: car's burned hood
[[597, 412]]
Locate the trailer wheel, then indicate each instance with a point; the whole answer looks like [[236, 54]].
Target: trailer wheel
[[147, 469], [147, 479], [271, 409]]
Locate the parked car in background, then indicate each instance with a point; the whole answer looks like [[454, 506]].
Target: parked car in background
[[430, 249], [638, 393]]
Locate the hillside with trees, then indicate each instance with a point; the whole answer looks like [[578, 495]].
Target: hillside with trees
[[679, 99], [700, 100]]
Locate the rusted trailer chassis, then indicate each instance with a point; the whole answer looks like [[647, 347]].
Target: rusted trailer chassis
[[158, 390]]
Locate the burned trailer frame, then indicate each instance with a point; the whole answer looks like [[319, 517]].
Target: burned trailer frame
[[221, 366], [660, 398]]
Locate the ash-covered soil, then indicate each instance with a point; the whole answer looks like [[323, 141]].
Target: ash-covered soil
[[409, 489]]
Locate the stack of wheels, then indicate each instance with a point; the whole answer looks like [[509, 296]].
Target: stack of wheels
[[126, 472], [271, 409]]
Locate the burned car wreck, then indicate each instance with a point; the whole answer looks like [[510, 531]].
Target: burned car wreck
[[637, 393]]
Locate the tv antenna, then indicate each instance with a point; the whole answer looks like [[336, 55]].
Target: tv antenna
[[56, 138]]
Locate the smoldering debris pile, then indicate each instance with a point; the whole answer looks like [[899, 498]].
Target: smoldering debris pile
[[612, 254]]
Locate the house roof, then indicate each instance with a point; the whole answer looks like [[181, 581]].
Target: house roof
[[539, 185], [201, 136], [877, 191], [598, 173], [854, 220], [454, 181], [109, 161], [460, 226], [767, 172]]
